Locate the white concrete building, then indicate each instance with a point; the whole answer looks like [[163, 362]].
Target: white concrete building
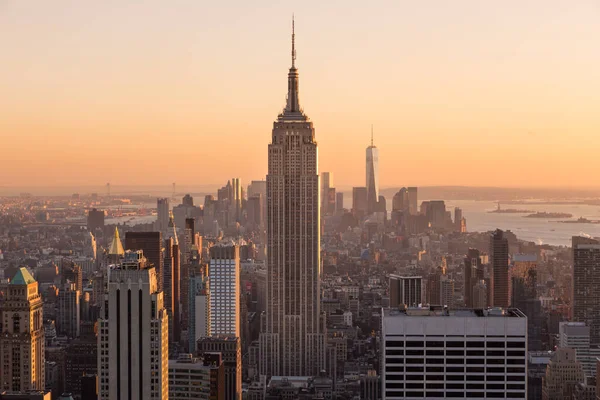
[[133, 338], [436, 353]]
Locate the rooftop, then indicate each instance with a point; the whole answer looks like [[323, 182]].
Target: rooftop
[[438, 311], [22, 277]]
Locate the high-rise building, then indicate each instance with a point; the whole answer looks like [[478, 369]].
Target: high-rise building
[[172, 281], [524, 297], [458, 216], [447, 291], [473, 273], [436, 352], [400, 200], [292, 342], [576, 335], [372, 176], [254, 209], [22, 359], [412, 201], [95, 220], [151, 244], [199, 306], [71, 273], [500, 284], [436, 214], [69, 311], [586, 284], [406, 290], [562, 374], [339, 202], [133, 350], [231, 353], [162, 214], [224, 283], [480, 294], [326, 184], [194, 378], [81, 359], [359, 201]]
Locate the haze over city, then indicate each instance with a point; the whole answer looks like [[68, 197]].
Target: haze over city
[[460, 93]]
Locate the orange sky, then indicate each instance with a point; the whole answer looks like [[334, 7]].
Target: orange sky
[[460, 92]]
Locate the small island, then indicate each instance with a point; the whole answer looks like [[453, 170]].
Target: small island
[[548, 215], [510, 211], [581, 220]]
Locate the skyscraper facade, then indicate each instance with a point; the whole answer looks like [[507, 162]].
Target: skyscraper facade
[[133, 338], [359, 201], [586, 284], [499, 259], [326, 184], [372, 177], [151, 244], [162, 214], [69, 311], [224, 283], [292, 342], [412, 201], [22, 338]]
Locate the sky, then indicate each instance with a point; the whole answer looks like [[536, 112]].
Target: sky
[[463, 92]]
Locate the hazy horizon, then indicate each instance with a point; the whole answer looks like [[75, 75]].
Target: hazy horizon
[[463, 93]]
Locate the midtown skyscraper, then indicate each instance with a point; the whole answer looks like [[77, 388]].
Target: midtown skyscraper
[[292, 340], [372, 176], [586, 284]]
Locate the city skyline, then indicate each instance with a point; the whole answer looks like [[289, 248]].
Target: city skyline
[[515, 89]]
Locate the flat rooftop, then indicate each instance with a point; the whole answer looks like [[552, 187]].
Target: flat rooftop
[[438, 311]]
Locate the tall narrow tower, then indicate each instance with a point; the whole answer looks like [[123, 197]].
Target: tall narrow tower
[[22, 336], [372, 176], [291, 342]]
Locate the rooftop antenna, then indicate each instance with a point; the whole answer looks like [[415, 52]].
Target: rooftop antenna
[[293, 44], [371, 135]]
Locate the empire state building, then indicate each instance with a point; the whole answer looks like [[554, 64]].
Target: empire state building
[[292, 339]]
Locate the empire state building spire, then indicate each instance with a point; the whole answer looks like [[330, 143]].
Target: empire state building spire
[[292, 109]]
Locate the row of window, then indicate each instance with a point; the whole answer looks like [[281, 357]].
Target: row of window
[[488, 386], [498, 395], [460, 370], [453, 343], [479, 378], [461, 353], [468, 361]]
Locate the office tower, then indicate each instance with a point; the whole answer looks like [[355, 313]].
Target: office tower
[[331, 201], [586, 284], [458, 216], [400, 201], [231, 353], [162, 214], [406, 290], [150, 243], [359, 202], [199, 306], [576, 335], [436, 214], [81, 359], [224, 283], [339, 202], [480, 294], [171, 281], [292, 342], [499, 261], [254, 209], [257, 187], [473, 273], [562, 374], [435, 352], [133, 335], [370, 386], [537, 362], [192, 241], [524, 297], [447, 291], [71, 273], [95, 220], [197, 378], [69, 311], [22, 358], [432, 288], [412, 201], [326, 184], [372, 176], [236, 200], [188, 200]]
